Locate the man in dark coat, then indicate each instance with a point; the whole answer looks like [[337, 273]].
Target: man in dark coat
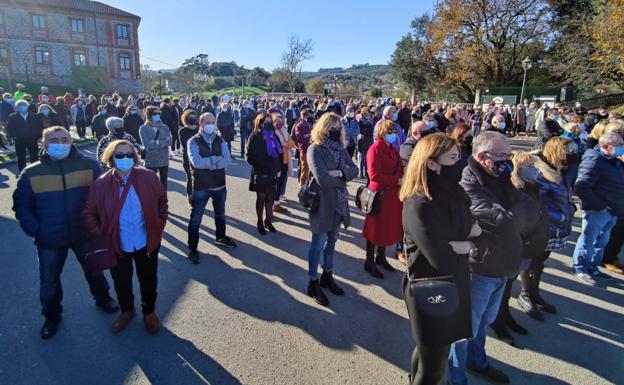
[[48, 202], [405, 118], [503, 213], [225, 124], [25, 128], [548, 128]]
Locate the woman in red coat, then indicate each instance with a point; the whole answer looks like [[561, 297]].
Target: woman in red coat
[[385, 172]]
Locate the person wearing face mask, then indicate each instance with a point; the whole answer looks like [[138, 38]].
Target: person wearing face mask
[[246, 125], [463, 135], [133, 122], [599, 186], [432, 200], [502, 213], [108, 102], [48, 200], [390, 113], [419, 130], [385, 171], [498, 124], [331, 168], [128, 207], [225, 124], [79, 117], [116, 131], [302, 133], [265, 155], [548, 128], [6, 107], [365, 139], [98, 124], [25, 129], [476, 121], [287, 144], [45, 97], [208, 157], [190, 128], [156, 138], [48, 116], [524, 177], [352, 129]]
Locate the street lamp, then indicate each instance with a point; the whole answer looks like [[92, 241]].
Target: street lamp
[[526, 65], [160, 83]]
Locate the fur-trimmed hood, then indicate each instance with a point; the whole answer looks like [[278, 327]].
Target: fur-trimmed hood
[[549, 173]]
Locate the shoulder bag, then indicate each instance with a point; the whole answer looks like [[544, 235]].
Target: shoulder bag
[[369, 201], [436, 296], [308, 198]]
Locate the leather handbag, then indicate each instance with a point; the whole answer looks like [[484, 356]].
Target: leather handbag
[[435, 297], [368, 200], [100, 254], [308, 198]]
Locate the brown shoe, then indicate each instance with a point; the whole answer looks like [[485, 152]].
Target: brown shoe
[[280, 209], [152, 323], [123, 320], [614, 268]]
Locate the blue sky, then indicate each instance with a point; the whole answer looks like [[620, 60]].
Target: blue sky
[[255, 33]]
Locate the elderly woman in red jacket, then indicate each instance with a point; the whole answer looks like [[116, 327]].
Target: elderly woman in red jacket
[[385, 171], [130, 204]]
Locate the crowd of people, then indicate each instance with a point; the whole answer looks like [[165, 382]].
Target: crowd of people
[[453, 202]]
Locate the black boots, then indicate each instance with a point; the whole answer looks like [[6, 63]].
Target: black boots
[[50, 327], [380, 259], [537, 298], [327, 280], [370, 266], [314, 291], [526, 303]]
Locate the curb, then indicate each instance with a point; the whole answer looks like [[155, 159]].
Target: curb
[[12, 159]]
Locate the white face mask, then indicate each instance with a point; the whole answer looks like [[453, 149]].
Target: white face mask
[[209, 128]]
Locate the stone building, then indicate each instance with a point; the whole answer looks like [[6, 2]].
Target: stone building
[[42, 41]]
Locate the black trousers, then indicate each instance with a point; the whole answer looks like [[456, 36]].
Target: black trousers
[[616, 240], [81, 128], [20, 151], [189, 178], [374, 252], [163, 173], [147, 268], [175, 139], [429, 364]]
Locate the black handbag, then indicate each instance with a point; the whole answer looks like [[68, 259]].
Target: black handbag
[[308, 198], [368, 200], [436, 296]]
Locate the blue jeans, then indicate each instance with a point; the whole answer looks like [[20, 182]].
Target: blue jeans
[[323, 243], [244, 135], [595, 232], [362, 162], [200, 200], [51, 262], [281, 182], [486, 294]]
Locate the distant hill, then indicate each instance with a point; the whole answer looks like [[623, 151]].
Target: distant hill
[[358, 70]]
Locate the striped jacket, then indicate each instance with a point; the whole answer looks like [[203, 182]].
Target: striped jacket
[[50, 196]]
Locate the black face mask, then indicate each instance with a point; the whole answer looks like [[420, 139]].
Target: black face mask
[[453, 173], [191, 120], [310, 119], [468, 141], [268, 126], [119, 132], [334, 135]]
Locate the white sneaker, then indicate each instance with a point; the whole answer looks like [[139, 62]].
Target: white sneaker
[[585, 278], [283, 199]]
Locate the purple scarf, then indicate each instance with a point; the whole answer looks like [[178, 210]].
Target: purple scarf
[[273, 145]]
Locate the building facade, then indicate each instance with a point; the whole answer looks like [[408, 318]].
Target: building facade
[[43, 41]]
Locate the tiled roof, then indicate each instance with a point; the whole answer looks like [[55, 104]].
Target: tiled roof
[[79, 5]]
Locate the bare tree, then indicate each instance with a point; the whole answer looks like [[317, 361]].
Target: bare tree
[[297, 52]]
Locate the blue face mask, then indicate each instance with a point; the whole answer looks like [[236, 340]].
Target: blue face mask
[[102, 113], [430, 123], [45, 112], [502, 167], [58, 151], [395, 116], [618, 152], [528, 174], [501, 125], [391, 138], [124, 164], [155, 118], [22, 108]]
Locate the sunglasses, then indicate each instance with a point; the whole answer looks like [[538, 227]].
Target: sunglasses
[[122, 155]]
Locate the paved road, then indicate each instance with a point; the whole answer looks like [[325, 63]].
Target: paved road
[[242, 317]]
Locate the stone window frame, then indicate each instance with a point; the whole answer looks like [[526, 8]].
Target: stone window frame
[[43, 17], [129, 57], [74, 51], [41, 48], [4, 60], [82, 21]]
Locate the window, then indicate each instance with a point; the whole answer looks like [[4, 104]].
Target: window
[[4, 54], [124, 61], [42, 55], [122, 31], [77, 25], [38, 22], [80, 57]]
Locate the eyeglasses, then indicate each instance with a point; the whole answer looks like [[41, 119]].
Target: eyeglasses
[[500, 155], [122, 155]]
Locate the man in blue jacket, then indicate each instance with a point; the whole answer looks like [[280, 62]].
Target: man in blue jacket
[[48, 202], [599, 185]]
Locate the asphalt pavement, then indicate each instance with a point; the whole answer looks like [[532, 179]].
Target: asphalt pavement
[[242, 315]]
